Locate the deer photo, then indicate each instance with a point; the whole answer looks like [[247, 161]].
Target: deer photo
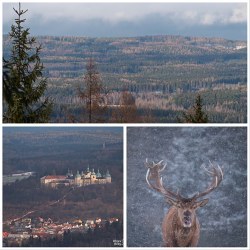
[[180, 227]]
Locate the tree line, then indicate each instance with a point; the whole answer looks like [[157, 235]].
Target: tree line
[[24, 88]]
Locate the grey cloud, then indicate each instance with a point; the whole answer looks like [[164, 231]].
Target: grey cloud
[[224, 20], [116, 12]]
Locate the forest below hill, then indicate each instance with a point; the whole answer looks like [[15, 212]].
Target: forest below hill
[[163, 73], [49, 151], [55, 150]]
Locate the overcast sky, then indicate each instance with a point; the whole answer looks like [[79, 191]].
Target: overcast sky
[[228, 20]]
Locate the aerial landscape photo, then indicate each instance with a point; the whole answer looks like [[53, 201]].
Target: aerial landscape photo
[[62, 187], [205, 177], [125, 62]]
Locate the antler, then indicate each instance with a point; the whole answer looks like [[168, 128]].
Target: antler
[[217, 174], [154, 179]]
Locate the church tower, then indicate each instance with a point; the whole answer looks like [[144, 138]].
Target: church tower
[[93, 177], [98, 175], [69, 174], [87, 173], [78, 179], [108, 177]]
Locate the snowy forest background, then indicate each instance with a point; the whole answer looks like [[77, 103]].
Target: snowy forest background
[[224, 219]]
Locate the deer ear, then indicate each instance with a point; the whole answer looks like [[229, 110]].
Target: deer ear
[[201, 203], [172, 202]]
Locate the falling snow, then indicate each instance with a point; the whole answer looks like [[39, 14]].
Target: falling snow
[[185, 150]]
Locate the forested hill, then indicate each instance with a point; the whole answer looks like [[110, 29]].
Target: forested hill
[[158, 70], [160, 56], [52, 151], [49, 150]]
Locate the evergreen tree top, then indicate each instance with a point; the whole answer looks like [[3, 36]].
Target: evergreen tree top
[[196, 113], [23, 81]]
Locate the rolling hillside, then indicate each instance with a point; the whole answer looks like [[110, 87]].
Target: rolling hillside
[[162, 72]]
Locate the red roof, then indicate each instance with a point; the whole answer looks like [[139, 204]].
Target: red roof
[[5, 234]]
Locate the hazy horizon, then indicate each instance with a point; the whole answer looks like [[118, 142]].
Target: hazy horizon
[[117, 37], [114, 20]]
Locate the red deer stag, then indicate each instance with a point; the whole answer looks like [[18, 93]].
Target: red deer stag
[[180, 227]]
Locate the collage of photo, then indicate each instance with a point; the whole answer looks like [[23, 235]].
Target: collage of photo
[[125, 124]]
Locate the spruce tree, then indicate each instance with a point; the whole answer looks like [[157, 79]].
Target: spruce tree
[[196, 114], [23, 81]]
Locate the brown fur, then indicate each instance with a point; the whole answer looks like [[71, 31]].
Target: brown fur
[[175, 235], [180, 226]]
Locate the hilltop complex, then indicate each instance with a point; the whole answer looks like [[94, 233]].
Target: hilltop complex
[[85, 178]]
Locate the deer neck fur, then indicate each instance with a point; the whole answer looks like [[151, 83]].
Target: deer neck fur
[[182, 236]]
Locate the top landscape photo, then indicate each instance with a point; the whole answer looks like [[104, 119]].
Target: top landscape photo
[[124, 62]]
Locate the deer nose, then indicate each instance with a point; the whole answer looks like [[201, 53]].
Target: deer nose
[[187, 213]]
